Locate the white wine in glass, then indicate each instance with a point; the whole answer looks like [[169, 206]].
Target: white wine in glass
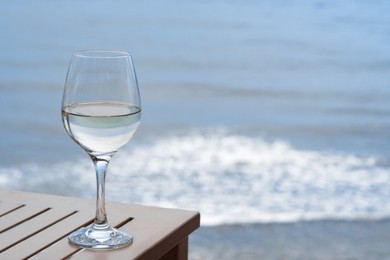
[[101, 110]]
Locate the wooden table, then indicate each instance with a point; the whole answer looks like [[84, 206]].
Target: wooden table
[[37, 225]]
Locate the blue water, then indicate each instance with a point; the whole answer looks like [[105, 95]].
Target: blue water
[[277, 107]]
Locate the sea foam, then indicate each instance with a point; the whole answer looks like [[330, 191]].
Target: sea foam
[[228, 178]]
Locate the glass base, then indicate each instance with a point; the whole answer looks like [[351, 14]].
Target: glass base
[[93, 238]]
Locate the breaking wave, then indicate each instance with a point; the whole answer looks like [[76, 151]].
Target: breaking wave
[[228, 178]]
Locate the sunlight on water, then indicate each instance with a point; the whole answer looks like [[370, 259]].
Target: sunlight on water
[[229, 178]]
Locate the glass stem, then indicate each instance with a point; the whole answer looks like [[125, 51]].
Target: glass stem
[[101, 164]]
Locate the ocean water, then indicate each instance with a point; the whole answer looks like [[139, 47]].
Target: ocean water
[[253, 111]]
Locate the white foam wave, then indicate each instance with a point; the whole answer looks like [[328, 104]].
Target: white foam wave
[[228, 178]]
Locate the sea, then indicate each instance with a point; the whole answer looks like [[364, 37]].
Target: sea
[[269, 111]]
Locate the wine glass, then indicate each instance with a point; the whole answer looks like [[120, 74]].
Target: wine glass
[[101, 110]]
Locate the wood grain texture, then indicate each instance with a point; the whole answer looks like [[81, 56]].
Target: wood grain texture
[[37, 225]]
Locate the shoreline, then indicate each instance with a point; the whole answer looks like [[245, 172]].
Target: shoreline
[[325, 239]]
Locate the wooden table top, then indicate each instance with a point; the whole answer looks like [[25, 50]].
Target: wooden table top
[[37, 225]]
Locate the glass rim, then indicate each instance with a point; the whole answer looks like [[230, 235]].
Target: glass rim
[[101, 54]]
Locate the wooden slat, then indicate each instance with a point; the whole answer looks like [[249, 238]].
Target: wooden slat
[[155, 232], [40, 240], [20, 215], [62, 248], [6, 207], [85, 211], [32, 226]]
